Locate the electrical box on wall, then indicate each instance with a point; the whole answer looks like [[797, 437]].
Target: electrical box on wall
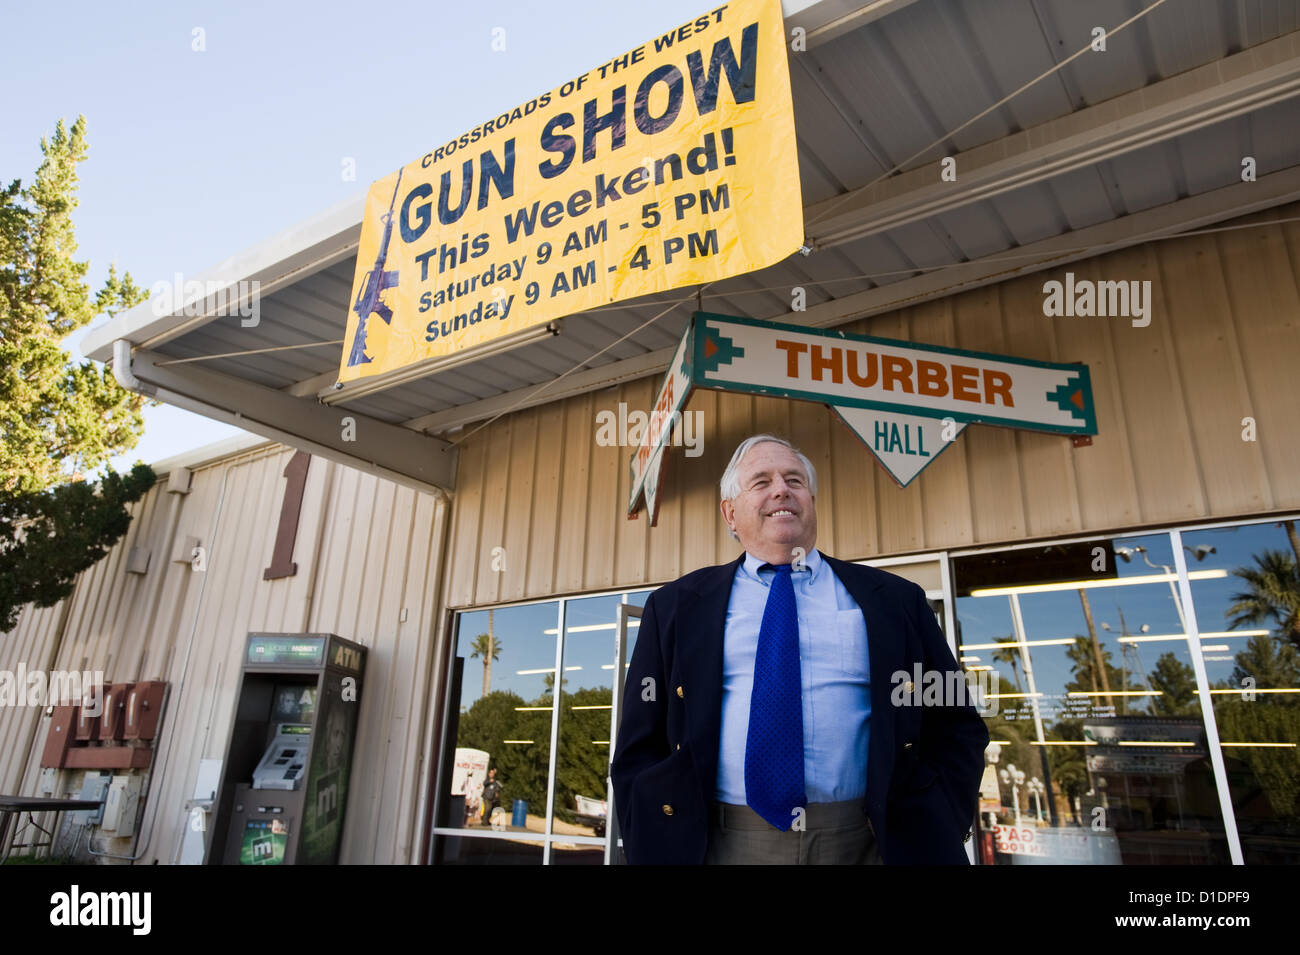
[[120, 808], [49, 781], [63, 726], [116, 731], [112, 724], [94, 787], [143, 709]]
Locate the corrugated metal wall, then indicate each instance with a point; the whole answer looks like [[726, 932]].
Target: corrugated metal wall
[[368, 556], [1223, 344]]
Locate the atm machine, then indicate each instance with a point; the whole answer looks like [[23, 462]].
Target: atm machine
[[284, 782]]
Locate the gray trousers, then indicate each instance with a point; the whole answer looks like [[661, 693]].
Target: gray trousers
[[834, 833]]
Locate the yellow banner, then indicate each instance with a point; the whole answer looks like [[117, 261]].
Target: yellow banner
[[671, 165]]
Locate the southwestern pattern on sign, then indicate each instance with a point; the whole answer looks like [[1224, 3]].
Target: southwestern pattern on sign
[[907, 402]]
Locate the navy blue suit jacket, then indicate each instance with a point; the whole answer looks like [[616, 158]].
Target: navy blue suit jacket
[[924, 762]]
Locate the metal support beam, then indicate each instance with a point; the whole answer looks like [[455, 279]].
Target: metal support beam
[[1246, 82], [390, 451], [1186, 214]]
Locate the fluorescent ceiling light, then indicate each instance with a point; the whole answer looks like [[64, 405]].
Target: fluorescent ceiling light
[[1094, 584], [1214, 635], [1154, 742], [1258, 690], [1062, 742], [1055, 642]]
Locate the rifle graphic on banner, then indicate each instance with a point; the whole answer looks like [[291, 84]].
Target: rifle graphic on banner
[[368, 299]]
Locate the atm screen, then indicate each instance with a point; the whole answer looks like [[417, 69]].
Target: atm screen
[[294, 703]]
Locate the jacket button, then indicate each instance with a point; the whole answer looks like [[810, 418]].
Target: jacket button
[[668, 810], [679, 745], [680, 693], [907, 746]]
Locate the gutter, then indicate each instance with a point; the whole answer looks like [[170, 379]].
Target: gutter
[[122, 370]]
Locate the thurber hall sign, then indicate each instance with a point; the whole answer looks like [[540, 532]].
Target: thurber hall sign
[[907, 402]]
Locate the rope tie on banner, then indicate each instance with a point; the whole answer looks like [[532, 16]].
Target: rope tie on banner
[[541, 388]]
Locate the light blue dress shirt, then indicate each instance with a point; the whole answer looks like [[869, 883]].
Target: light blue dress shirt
[[834, 671]]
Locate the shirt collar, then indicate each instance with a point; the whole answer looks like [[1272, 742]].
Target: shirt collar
[[749, 567]]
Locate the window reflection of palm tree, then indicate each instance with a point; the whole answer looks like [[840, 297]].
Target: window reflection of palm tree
[[1010, 655], [1273, 595], [486, 646], [548, 682]]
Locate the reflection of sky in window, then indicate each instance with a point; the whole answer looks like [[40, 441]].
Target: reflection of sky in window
[[590, 650], [1234, 547], [1059, 615], [521, 636], [526, 638]]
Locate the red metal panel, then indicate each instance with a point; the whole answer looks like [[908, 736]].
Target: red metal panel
[[144, 709], [62, 725]]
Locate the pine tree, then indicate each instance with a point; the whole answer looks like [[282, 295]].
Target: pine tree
[[58, 419]]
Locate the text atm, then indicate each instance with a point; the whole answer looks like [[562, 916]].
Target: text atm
[[284, 783]]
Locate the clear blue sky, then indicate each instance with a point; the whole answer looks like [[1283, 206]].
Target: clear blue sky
[[197, 155]]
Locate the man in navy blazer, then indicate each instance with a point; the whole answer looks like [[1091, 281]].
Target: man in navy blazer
[[923, 762]]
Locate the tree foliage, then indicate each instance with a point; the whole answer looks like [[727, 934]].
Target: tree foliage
[[59, 419], [48, 537], [583, 761], [1273, 595]]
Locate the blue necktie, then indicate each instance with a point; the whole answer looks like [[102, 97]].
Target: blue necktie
[[774, 783]]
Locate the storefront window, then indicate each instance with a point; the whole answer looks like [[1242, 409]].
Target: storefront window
[[1248, 616], [1099, 748], [582, 760], [1098, 751], [503, 677], [508, 708]]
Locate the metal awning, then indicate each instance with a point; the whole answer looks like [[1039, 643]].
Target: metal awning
[[1114, 148]]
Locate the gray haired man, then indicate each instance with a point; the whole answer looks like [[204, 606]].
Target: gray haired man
[[757, 722]]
